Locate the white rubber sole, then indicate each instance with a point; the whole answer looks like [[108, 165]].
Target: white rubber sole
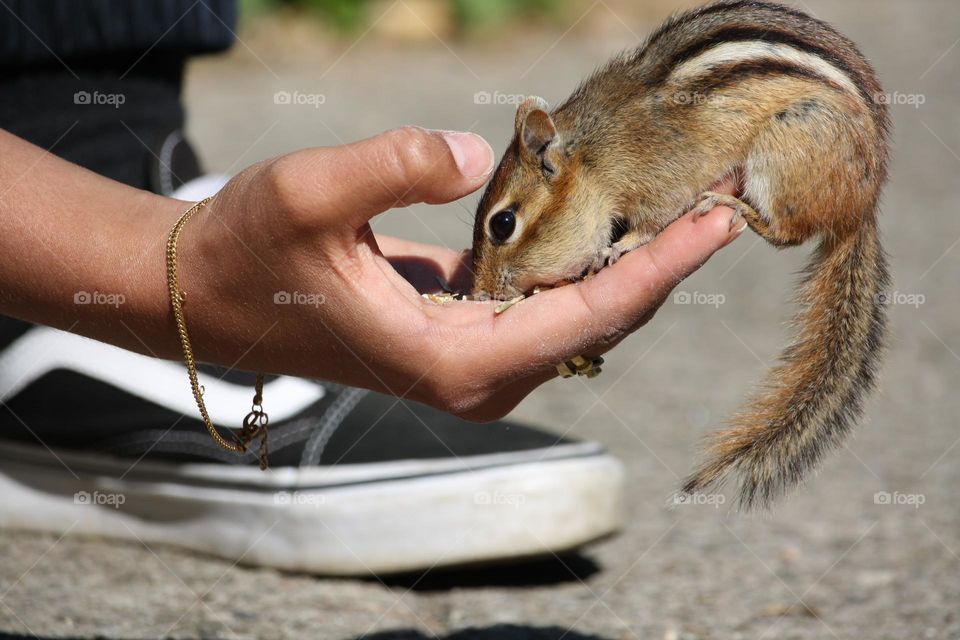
[[348, 520]]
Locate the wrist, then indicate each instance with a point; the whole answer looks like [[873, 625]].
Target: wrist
[[118, 290], [147, 317], [226, 311]]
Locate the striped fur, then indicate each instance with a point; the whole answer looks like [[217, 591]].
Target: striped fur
[[744, 52]]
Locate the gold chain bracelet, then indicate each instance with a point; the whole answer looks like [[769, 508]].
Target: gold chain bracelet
[[255, 423]]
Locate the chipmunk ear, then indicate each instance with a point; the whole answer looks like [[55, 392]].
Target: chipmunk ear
[[535, 131], [530, 103]]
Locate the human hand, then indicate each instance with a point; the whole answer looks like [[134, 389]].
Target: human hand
[[299, 225]]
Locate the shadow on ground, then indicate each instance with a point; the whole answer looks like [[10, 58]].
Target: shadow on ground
[[551, 570], [495, 632]]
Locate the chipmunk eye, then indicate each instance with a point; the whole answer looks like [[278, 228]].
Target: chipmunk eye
[[502, 225]]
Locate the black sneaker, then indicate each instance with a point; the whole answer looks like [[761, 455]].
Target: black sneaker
[[99, 440]]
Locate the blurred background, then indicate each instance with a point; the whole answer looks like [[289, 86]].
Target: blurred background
[[837, 560]]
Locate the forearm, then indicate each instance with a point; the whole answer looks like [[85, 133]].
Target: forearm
[[81, 252]]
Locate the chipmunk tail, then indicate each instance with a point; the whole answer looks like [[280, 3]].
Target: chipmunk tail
[[817, 391]]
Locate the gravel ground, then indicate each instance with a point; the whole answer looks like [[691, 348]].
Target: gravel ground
[[829, 563]]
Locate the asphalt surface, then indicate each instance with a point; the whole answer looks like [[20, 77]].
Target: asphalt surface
[[830, 562]]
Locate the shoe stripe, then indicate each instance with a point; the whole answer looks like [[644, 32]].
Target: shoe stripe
[[162, 382], [332, 418]]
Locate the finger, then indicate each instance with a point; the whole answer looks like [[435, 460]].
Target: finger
[[560, 323], [398, 167]]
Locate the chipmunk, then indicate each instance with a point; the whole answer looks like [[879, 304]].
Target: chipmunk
[[758, 91]]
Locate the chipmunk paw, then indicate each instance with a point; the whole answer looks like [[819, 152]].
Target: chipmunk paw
[[609, 256], [710, 199], [630, 241]]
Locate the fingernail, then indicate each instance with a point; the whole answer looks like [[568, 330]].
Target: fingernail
[[473, 155], [736, 233]]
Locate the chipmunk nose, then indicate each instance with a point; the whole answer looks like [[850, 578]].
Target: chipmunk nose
[[506, 290], [500, 291]]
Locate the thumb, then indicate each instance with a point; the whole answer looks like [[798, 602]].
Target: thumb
[[396, 168]]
